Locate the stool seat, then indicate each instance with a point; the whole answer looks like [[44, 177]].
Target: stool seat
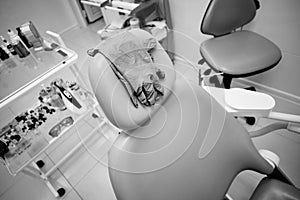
[[240, 53]]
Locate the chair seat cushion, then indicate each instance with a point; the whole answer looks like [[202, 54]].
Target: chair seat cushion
[[271, 189], [240, 53]]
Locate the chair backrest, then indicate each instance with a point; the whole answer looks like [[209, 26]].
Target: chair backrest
[[223, 16], [112, 96], [190, 149]]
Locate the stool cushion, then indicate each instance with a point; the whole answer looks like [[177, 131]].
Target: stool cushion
[[240, 53], [272, 189]]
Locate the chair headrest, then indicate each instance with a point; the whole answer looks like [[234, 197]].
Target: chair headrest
[[113, 97]]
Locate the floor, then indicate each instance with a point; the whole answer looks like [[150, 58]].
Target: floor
[[85, 175]]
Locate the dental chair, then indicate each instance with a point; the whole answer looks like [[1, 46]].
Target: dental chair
[[186, 146], [235, 53]]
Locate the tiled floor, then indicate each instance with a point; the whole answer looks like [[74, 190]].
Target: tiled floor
[[85, 175]]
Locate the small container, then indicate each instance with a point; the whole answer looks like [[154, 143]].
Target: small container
[[6, 50], [3, 54], [23, 38], [3, 149], [6, 59], [18, 44], [77, 90], [56, 101], [74, 103], [8, 46], [52, 98], [134, 23], [30, 34]]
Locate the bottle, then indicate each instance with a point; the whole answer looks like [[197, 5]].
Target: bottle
[[8, 46], [52, 98], [23, 38], [6, 59], [6, 50], [17, 44], [3, 149], [75, 88], [71, 101], [11, 56], [134, 23]]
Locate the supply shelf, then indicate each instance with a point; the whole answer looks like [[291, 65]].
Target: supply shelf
[[29, 76]]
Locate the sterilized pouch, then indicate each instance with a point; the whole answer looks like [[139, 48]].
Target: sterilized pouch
[[132, 63]]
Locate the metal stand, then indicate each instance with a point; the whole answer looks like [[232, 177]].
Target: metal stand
[[35, 171]]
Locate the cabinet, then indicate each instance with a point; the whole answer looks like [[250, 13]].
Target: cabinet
[[117, 13], [35, 124], [92, 13]]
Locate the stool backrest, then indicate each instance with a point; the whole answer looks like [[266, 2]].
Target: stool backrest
[[223, 16]]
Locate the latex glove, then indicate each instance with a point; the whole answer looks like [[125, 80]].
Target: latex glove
[[146, 85], [137, 66]]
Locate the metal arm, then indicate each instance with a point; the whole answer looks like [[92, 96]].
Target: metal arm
[[57, 37], [269, 128], [284, 117], [286, 121]]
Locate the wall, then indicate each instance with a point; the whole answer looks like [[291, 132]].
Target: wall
[[55, 15], [278, 20], [186, 19]]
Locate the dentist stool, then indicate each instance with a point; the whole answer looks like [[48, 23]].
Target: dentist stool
[[235, 53], [183, 147]]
